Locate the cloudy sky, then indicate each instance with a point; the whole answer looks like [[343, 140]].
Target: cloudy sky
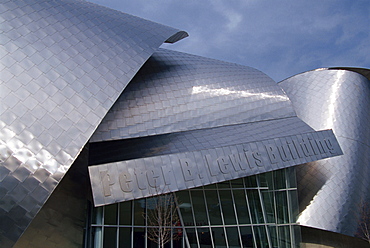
[[280, 38]]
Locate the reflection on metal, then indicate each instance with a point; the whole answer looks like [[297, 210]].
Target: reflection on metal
[[134, 179], [332, 190], [63, 65], [179, 92]]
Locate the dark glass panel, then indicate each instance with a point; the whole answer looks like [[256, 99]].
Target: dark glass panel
[[282, 207], [124, 237], [110, 214], [199, 208], [233, 237], [237, 183], [213, 205], [261, 237], [185, 206], [241, 207], [224, 185], [250, 182], [139, 237], [246, 236], [204, 237], [268, 203], [279, 178], [255, 206], [192, 237], [110, 237], [125, 213], [139, 210], [210, 186], [227, 207], [218, 237]]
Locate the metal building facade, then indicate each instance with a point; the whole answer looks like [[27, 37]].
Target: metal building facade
[[88, 96]]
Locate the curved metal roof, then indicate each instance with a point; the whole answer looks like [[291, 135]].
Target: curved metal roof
[[63, 65], [179, 92], [332, 190]]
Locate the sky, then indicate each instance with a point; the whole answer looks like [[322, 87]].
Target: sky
[[280, 38]]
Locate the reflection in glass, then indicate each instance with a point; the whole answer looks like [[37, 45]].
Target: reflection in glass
[[261, 237], [282, 207], [255, 206], [185, 206], [257, 211]]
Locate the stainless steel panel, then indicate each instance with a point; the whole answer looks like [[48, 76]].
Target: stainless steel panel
[[179, 92], [59, 60], [332, 190], [198, 168]]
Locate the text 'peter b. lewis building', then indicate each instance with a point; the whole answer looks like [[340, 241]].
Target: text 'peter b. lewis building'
[[107, 140]]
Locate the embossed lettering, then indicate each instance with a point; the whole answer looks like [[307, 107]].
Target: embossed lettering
[[187, 169], [107, 182], [125, 181]]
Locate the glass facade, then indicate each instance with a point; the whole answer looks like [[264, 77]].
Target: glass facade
[[257, 211]]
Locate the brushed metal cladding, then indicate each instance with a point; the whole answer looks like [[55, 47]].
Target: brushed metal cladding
[[193, 140], [144, 177], [63, 65], [333, 190], [178, 92]]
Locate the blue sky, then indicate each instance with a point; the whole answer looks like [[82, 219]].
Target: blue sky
[[280, 38]]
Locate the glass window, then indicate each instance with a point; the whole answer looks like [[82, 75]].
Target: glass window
[[218, 237], [241, 206], [257, 211], [185, 206], [250, 182], [199, 208], [125, 213], [282, 207], [125, 237], [110, 214], [255, 206], [246, 236], [204, 237], [233, 237], [261, 237], [268, 204], [110, 237], [213, 207], [227, 207], [139, 210]]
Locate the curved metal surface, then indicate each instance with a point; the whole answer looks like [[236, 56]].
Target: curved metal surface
[[179, 92], [63, 65], [333, 190]]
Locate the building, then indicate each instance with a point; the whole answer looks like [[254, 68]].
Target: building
[[97, 122]]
